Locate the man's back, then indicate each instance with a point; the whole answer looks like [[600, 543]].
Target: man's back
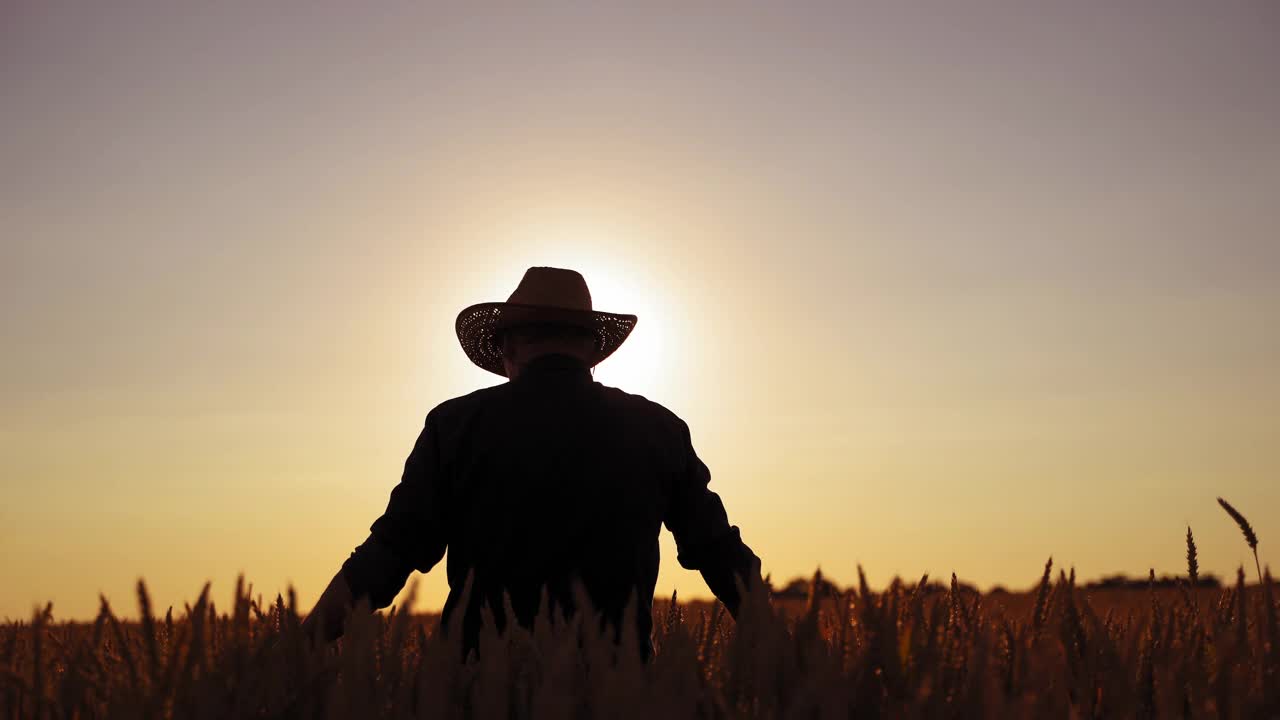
[[547, 481]]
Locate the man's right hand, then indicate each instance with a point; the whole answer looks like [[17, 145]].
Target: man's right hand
[[325, 621]]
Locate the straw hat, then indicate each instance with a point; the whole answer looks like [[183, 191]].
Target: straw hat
[[545, 296]]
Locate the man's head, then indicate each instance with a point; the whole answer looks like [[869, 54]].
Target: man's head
[[522, 344], [550, 299]]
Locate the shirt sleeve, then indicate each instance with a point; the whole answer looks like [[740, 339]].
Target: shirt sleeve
[[705, 541], [410, 534]]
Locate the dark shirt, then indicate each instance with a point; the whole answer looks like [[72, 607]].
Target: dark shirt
[[551, 480]]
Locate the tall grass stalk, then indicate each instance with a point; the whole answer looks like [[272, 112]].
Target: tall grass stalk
[[1250, 536]]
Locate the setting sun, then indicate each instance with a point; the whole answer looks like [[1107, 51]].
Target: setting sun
[[627, 282]]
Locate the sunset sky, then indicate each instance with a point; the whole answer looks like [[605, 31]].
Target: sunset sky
[[953, 286]]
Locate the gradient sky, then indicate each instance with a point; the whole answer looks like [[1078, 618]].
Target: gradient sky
[[953, 286]]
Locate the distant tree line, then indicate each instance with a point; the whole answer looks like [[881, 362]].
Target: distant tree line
[[1124, 582], [800, 587]]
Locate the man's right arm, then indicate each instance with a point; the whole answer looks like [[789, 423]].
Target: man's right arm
[[705, 541], [325, 621]]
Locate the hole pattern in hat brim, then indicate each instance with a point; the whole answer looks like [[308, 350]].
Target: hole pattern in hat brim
[[477, 327]]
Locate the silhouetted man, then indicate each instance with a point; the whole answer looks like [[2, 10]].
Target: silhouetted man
[[551, 480]]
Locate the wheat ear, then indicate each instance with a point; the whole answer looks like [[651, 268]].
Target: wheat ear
[[1249, 535]]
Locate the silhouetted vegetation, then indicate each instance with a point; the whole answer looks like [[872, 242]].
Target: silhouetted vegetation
[[922, 650], [1164, 582]]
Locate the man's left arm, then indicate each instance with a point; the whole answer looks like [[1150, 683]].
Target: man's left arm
[[409, 535]]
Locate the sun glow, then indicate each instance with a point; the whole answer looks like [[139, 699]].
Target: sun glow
[[621, 281], [641, 365]]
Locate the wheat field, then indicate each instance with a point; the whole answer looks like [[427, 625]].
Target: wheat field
[[910, 650]]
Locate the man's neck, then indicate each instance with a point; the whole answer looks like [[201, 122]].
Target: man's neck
[[551, 361]]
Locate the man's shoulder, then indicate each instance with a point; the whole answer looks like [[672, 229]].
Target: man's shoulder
[[464, 404], [457, 410], [639, 405]]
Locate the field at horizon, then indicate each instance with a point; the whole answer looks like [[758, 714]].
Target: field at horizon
[[1183, 646], [922, 651]]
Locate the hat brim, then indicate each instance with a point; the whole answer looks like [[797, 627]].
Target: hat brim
[[477, 327]]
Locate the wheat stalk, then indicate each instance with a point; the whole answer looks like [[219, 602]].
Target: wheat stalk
[[1249, 535], [1193, 564], [1040, 612], [1193, 570]]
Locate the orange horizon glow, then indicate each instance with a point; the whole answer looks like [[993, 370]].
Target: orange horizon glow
[[935, 291]]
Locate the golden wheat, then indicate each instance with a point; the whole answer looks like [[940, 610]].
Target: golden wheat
[[908, 651]]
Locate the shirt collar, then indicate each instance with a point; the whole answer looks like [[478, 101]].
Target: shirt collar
[[555, 365]]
